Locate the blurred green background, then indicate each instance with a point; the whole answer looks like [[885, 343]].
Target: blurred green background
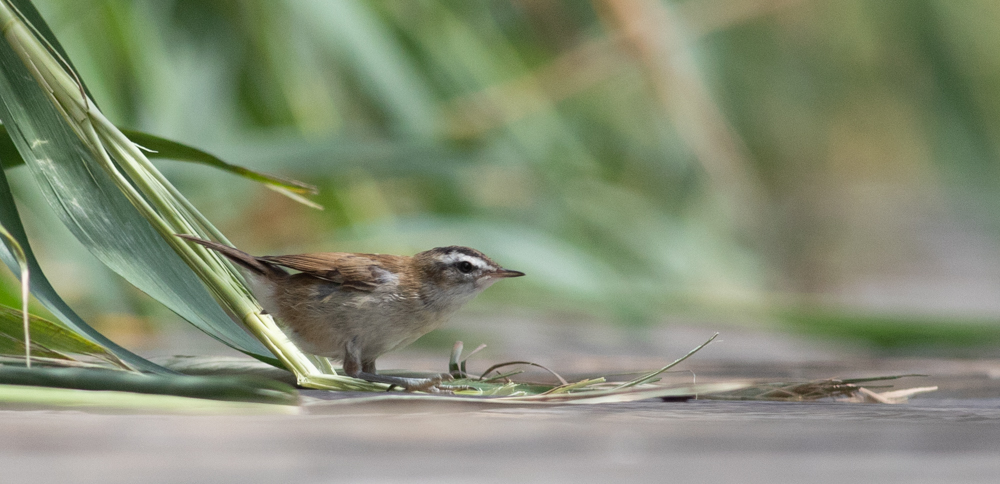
[[813, 166]]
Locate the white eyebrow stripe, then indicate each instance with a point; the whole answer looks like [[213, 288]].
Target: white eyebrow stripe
[[454, 257]]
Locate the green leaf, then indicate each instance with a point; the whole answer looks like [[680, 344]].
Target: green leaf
[[48, 339], [44, 291], [98, 213], [25, 276], [9, 157], [230, 388], [31, 15], [225, 365], [168, 149], [32, 397]]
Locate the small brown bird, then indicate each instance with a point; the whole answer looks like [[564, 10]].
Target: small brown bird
[[356, 307]]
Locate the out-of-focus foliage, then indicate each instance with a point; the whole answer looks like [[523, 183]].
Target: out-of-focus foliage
[[630, 155]]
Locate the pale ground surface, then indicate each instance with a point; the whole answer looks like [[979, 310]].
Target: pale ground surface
[[952, 435]]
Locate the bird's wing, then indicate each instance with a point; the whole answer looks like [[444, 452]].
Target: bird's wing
[[351, 271]]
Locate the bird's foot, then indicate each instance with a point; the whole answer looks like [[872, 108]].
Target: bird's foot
[[426, 385], [436, 384]]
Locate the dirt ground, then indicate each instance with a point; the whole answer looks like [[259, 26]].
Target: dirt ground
[[929, 440]]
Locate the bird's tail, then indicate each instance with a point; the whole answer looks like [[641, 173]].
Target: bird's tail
[[238, 256]]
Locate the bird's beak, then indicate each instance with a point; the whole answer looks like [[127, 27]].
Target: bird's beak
[[504, 273]]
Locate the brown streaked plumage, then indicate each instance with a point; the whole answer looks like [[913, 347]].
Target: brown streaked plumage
[[356, 307]]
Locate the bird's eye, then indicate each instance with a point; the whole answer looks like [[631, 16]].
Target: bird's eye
[[465, 267]]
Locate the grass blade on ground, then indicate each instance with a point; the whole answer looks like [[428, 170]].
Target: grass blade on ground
[[49, 340], [34, 397], [231, 388], [653, 375]]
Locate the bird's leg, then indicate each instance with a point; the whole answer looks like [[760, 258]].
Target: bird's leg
[[355, 367]]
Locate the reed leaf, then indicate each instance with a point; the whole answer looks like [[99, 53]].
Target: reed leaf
[[25, 275], [34, 396], [652, 376], [230, 388], [48, 340], [162, 148]]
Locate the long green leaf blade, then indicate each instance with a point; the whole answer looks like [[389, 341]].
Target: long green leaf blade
[[30, 13], [172, 150], [25, 276], [33, 396], [230, 388], [169, 149]]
